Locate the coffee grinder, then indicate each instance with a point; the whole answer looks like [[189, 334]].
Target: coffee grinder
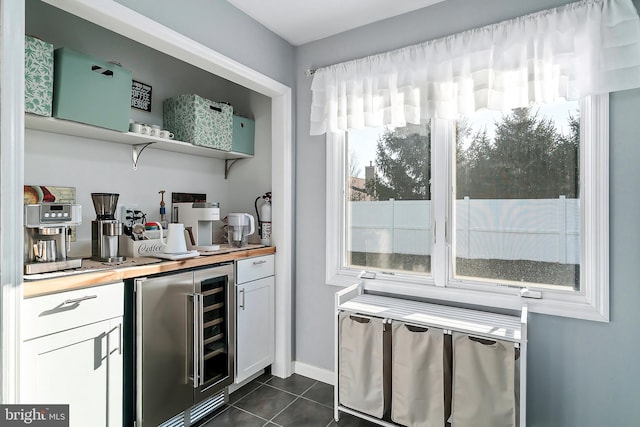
[[105, 229], [47, 236]]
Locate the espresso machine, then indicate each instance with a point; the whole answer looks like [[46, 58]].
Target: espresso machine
[[105, 229], [198, 218], [48, 236]]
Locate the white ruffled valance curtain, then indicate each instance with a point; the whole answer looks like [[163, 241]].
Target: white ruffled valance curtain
[[584, 48]]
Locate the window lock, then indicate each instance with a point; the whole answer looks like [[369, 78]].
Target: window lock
[[367, 275], [528, 293]]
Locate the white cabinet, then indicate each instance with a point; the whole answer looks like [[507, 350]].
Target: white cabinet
[[255, 324], [72, 354]]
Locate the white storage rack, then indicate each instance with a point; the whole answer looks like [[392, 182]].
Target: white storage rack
[[482, 324]]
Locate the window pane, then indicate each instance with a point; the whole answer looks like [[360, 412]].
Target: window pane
[[388, 207], [517, 204]]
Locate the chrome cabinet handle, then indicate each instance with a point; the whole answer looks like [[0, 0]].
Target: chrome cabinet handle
[[120, 338], [79, 300], [242, 294], [263, 261], [110, 340]]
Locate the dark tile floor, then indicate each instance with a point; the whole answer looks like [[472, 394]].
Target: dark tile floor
[[271, 401]]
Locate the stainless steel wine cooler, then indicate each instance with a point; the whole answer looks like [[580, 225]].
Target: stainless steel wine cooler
[[184, 345]]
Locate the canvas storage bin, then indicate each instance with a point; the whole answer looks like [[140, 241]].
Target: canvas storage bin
[[38, 76], [364, 369], [91, 91], [199, 121], [243, 135], [483, 382], [421, 375]]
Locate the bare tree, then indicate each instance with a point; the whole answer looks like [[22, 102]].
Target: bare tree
[[354, 164]]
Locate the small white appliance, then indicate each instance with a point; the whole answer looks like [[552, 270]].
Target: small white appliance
[[239, 227], [198, 217]]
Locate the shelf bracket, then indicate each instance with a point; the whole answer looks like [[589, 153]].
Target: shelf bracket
[[137, 150], [227, 166]]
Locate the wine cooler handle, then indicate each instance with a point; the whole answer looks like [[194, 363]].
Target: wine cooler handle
[[200, 326], [196, 347], [242, 294]]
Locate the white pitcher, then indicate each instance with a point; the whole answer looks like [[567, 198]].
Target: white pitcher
[[240, 226], [175, 243]]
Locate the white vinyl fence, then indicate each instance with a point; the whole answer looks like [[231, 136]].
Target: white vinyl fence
[[519, 229]]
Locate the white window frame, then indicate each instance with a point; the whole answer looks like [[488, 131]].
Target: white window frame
[[590, 303]]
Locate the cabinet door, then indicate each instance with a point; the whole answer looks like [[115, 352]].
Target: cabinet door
[[81, 367], [255, 327]]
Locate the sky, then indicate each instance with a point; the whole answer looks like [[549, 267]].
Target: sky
[[362, 142]]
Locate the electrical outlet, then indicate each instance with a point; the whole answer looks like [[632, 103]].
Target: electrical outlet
[[123, 213]]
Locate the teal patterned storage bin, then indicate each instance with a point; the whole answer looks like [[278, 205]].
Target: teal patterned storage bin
[[38, 76], [91, 91], [243, 135], [199, 121]]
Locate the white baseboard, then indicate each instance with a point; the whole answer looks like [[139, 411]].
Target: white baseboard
[[314, 372]]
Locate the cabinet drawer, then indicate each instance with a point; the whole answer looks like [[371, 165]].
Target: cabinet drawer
[[58, 312], [254, 268]]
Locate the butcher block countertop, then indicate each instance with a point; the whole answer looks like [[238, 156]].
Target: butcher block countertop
[[94, 273]]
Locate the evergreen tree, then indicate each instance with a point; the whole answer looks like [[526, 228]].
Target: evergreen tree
[[403, 164], [527, 159], [566, 158], [472, 174]]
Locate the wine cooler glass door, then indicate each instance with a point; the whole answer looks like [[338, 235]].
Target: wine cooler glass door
[[215, 323]]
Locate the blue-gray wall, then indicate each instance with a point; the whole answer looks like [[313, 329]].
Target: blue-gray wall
[[582, 374], [229, 31]]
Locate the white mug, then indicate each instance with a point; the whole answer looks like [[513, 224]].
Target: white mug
[[176, 243], [166, 134], [145, 130], [135, 127]]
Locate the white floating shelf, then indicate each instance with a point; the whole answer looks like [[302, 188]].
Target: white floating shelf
[[67, 127]]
